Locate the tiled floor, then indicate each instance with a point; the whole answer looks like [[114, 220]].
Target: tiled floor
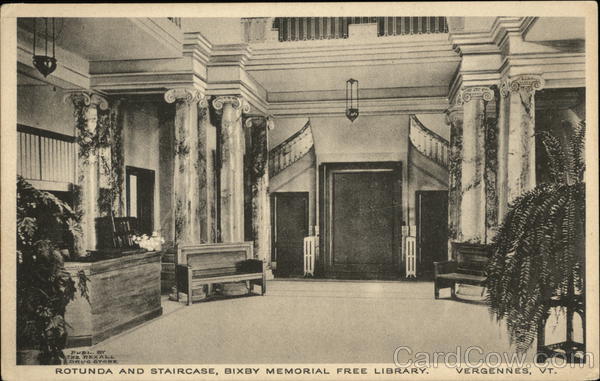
[[310, 322]]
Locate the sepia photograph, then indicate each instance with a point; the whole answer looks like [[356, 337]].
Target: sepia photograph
[[300, 191]]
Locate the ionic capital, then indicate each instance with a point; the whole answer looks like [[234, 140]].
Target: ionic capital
[[477, 92], [256, 120], [525, 83], [238, 103], [453, 115], [186, 95], [86, 99]]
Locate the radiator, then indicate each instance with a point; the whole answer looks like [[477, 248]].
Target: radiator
[[411, 257], [310, 250]]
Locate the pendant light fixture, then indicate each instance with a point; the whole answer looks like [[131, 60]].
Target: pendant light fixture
[[44, 63], [352, 99]]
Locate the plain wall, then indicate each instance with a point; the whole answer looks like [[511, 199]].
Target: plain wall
[[368, 139], [42, 106], [141, 144]]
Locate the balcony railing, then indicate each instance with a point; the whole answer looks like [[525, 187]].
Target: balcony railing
[[291, 150], [175, 20], [324, 28], [428, 142], [45, 155]]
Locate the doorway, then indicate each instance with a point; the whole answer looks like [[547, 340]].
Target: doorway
[[432, 230], [289, 221], [140, 198], [362, 220]]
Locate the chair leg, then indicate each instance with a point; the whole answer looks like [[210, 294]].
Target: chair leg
[[436, 290], [249, 285], [263, 286], [453, 290]]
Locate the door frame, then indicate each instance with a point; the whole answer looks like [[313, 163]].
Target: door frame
[[418, 194], [130, 170], [324, 263], [306, 196]]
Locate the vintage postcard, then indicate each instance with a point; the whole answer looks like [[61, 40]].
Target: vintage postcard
[[318, 191]]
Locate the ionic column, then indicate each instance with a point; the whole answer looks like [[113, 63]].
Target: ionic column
[[86, 108], [259, 179], [188, 192], [454, 118], [232, 166], [473, 203], [516, 138]]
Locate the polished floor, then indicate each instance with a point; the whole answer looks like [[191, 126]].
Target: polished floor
[[310, 322]]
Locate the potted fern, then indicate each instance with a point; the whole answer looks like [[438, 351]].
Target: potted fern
[[539, 251], [44, 288]]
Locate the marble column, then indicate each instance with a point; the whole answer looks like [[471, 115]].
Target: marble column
[[259, 180], [516, 138], [473, 203], [454, 118], [86, 107], [206, 175], [189, 191], [232, 166], [117, 153]]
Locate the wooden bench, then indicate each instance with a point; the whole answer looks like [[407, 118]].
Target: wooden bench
[[468, 268], [206, 264]]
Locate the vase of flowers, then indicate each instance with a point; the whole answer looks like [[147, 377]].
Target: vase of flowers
[[150, 243]]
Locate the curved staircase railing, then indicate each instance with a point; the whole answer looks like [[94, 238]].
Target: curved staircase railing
[[290, 150], [428, 142]]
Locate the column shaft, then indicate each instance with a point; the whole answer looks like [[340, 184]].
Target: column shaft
[[259, 179], [473, 203], [88, 181], [455, 120], [188, 193], [517, 138], [232, 167]]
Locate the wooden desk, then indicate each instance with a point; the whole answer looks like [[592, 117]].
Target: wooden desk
[[124, 292]]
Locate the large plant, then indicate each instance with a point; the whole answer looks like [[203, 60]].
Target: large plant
[[539, 251], [44, 288]]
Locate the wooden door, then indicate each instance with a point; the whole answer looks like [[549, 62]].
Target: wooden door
[[363, 227], [290, 226], [140, 198], [432, 229]]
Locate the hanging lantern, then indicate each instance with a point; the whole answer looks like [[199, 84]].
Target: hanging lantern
[[352, 99], [44, 63]]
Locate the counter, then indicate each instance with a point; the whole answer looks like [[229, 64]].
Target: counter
[[124, 292]]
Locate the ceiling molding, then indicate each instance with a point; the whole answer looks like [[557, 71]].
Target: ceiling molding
[[385, 53], [195, 45], [230, 55], [145, 83], [392, 106], [163, 30], [365, 94]]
